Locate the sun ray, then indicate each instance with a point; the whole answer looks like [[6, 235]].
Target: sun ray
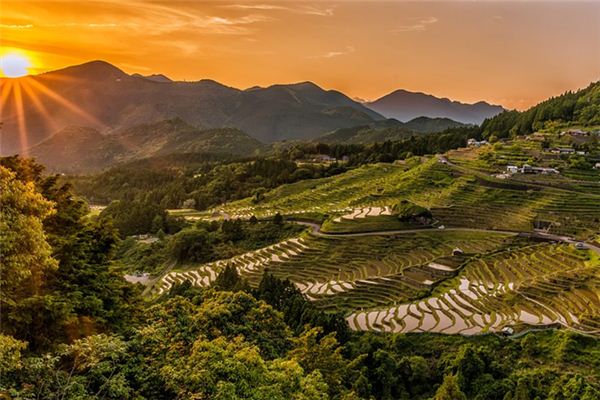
[[33, 96], [22, 126], [6, 89], [68, 104]]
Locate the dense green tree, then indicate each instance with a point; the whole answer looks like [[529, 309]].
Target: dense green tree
[[449, 390]]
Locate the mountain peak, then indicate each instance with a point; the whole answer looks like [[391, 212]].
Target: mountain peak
[[97, 69], [154, 77], [405, 106]]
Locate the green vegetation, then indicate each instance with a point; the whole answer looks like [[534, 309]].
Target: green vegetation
[[201, 243], [72, 327], [455, 195], [193, 180], [581, 108], [377, 223]]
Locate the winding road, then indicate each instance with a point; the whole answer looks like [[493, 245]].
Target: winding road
[[316, 230]]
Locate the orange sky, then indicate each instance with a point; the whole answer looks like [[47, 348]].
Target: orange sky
[[509, 53]]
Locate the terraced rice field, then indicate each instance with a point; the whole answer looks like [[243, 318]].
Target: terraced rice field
[[367, 219], [456, 197], [413, 281], [540, 284], [349, 273]]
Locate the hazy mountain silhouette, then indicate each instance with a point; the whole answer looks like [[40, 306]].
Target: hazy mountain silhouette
[[101, 96], [404, 106], [84, 149]]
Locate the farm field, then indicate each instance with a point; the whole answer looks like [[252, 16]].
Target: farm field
[[543, 284], [431, 281], [469, 270]]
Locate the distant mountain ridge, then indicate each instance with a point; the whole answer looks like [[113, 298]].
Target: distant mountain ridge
[[84, 149], [404, 106], [101, 96]]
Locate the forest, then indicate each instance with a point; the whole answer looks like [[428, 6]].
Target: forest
[[73, 328], [578, 108]]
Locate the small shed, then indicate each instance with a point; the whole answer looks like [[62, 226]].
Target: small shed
[[457, 251]]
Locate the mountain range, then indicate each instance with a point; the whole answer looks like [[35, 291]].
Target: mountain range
[[404, 106], [102, 97]]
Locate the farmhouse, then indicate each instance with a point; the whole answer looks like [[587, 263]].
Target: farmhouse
[[528, 169], [562, 150]]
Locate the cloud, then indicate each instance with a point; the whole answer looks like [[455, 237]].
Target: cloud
[[256, 7], [331, 54], [418, 26], [323, 12], [111, 25], [16, 26], [166, 24], [306, 10]]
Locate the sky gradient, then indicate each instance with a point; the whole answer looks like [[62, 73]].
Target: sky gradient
[[509, 53]]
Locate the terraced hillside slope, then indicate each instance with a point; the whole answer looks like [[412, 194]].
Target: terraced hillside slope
[[482, 253], [457, 196]]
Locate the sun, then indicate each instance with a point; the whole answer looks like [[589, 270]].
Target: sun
[[14, 65]]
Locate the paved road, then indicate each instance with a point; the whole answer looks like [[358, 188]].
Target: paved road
[[316, 230]]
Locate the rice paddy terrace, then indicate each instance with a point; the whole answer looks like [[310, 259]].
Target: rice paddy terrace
[[477, 274], [457, 197]]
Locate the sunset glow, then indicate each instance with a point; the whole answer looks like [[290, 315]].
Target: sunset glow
[[504, 52]]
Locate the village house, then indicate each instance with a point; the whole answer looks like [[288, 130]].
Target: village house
[[528, 169], [512, 169], [323, 158], [574, 132], [474, 143]]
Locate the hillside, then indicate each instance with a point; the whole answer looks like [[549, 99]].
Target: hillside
[[431, 125], [404, 106], [388, 130], [77, 149], [373, 133], [518, 262], [101, 96], [578, 109]]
